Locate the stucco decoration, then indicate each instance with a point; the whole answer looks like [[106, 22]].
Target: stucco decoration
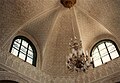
[[11, 76]]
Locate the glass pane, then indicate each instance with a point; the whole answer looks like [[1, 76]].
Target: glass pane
[[96, 55], [96, 58], [114, 54], [97, 62], [14, 51], [23, 49], [111, 48], [30, 54], [30, 48], [22, 56], [95, 51], [101, 46], [106, 58], [16, 45], [103, 52], [29, 60], [24, 43], [108, 44], [18, 40]]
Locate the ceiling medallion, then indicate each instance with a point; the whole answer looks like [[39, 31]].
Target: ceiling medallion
[[68, 3]]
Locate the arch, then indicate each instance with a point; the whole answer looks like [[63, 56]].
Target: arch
[[23, 48], [7, 81], [103, 52]]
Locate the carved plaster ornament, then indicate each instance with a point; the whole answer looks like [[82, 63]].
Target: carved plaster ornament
[[68, 3]]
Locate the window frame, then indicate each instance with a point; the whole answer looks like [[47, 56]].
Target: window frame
[[34, 59], [106, 47]]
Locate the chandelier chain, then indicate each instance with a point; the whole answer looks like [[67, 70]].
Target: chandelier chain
[[73, 30]]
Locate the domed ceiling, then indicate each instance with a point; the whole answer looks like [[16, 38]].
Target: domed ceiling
[[50, 24]]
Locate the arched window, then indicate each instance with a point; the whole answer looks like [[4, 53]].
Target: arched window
[[24, 49], [104, 51]]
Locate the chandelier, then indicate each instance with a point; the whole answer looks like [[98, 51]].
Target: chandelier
[[77, 60]]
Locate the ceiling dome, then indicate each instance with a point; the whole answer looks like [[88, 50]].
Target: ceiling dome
[[50, 24]]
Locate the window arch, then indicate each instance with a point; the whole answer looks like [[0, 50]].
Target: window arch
[[23, 48], [104, 51]]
